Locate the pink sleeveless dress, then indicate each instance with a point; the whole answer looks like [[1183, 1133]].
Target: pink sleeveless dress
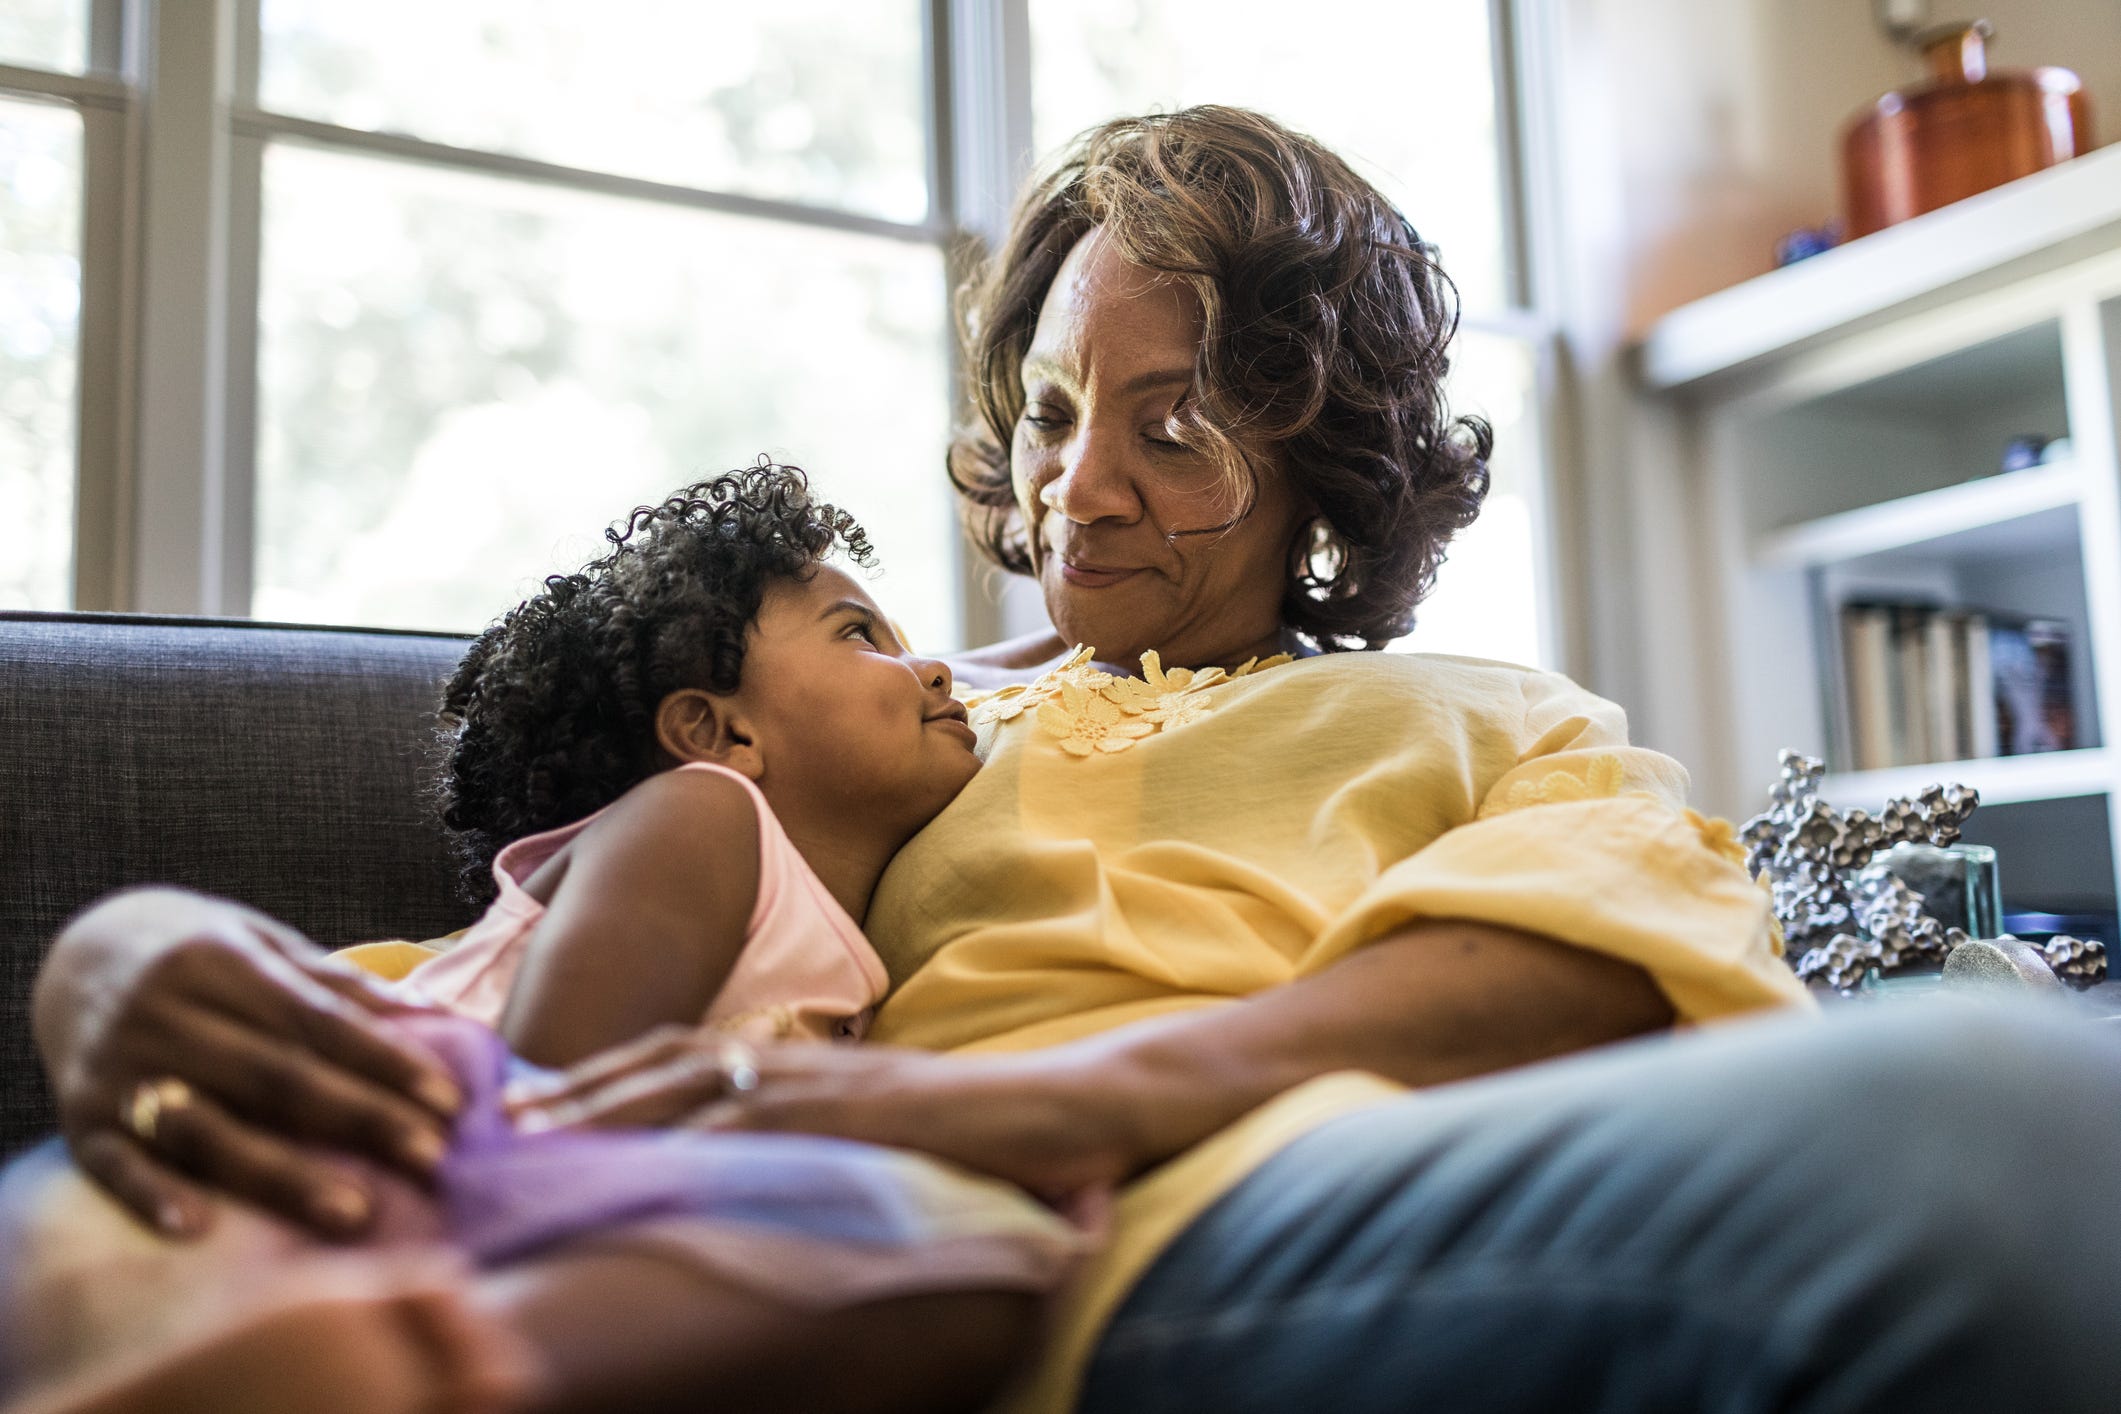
[[805, 972]]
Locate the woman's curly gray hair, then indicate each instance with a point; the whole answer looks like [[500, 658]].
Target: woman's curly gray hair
[[1324, 352], [550, 716]]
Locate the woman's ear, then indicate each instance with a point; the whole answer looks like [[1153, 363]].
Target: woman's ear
[[692, 724]]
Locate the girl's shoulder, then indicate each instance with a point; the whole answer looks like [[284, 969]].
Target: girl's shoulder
[[682, 814]]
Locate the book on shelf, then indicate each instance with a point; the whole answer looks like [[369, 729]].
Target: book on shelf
[[1922, 682]]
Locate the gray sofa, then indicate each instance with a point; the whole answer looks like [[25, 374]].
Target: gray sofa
[[283, 766]]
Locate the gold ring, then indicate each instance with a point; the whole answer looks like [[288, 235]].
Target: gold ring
[[738, 1066], [144, 1108]]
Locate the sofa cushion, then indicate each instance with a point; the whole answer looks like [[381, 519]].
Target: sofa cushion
[[281, 766]]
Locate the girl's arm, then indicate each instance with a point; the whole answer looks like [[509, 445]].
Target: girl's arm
[[645, 924]]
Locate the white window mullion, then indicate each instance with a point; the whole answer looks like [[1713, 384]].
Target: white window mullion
[[110, 321], [990, 111], [988, 145], [188, 526], [1542, 242], [239, 390], [109, 313], [109, 34]]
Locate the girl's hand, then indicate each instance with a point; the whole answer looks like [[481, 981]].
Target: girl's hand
[[1034, 1119], [197, 1046]]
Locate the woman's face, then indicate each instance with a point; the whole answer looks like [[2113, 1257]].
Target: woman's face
[[1109, 496]]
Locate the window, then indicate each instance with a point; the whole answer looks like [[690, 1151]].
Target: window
[[40, 301], [48, 97], [465, 365], [45, 34], [415, 319]]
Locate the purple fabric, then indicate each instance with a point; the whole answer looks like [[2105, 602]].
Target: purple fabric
[[501, 1194]]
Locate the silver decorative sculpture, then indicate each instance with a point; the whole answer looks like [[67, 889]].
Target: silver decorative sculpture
[[1844, 915]]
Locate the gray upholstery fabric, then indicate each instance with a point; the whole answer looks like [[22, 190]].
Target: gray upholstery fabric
[[279, 766]]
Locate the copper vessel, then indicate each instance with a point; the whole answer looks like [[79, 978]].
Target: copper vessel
[[1962, 131]]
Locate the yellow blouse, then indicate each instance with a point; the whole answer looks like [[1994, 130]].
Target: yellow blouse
[[1138, 847]]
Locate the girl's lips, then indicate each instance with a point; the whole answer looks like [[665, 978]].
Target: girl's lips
[[958, 727], [1090, 578]]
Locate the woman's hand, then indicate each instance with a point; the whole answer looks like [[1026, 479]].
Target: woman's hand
[[195, 1045], [1031, 1118]]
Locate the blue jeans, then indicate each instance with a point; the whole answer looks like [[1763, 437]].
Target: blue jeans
[[1900, 1207]]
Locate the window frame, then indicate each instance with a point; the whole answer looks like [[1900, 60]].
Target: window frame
[[108, 106], [173, 157]]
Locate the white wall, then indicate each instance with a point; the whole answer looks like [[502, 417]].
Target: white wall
[[1687, 135]]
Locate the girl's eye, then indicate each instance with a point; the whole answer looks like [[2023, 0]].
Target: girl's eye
[[863, 632]]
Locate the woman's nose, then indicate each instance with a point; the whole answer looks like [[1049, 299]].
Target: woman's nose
[[1094, 482]]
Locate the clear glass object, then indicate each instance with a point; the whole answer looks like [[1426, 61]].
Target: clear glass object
[[463, 380], [45, 34], [40, 305], [1403, 89], [816, 101], [1958, 883]]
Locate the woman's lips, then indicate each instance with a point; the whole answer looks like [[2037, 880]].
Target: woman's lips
[[1093, 576]]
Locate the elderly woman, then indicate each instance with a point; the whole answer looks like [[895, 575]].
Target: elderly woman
[[1231, 907]]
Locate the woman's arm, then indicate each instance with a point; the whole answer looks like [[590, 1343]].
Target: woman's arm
[[278, 1046], [646, 923], [1433, 1002]]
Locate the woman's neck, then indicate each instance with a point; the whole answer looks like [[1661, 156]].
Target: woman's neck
[[1024, 659], [1229, 659]]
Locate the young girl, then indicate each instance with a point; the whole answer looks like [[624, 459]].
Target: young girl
[[678, 775]]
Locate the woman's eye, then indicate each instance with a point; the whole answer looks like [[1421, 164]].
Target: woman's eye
[[863, 632], [1040, 418]]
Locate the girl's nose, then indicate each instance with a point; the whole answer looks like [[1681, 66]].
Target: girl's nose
[[934, 674]]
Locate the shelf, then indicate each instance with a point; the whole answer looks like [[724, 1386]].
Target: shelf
[[2013, 512], [1776, 312], [2002, 780]]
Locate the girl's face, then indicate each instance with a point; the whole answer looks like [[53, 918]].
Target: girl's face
[[1109, 496], [845, 718]]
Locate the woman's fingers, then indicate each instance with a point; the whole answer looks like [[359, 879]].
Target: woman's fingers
[[152, 1192], [303, 1008], [287, 1089], [582, 1081], [363, 989], [203, 1139], [658, 1095]]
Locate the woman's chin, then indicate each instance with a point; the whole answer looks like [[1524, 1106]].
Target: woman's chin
[[1114, 632]]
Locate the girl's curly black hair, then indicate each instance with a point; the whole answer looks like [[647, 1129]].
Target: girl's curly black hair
[[551, 713]]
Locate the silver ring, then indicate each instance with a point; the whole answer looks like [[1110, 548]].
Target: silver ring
[[738, 1066]]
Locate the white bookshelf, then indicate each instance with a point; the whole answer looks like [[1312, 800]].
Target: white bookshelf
[[2002, 780], [1993, 516], [1850, 414]]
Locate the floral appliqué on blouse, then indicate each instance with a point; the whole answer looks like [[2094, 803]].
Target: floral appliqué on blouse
[[1092, 711]]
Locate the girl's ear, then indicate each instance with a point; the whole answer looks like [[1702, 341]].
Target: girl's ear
[[692, 724]]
